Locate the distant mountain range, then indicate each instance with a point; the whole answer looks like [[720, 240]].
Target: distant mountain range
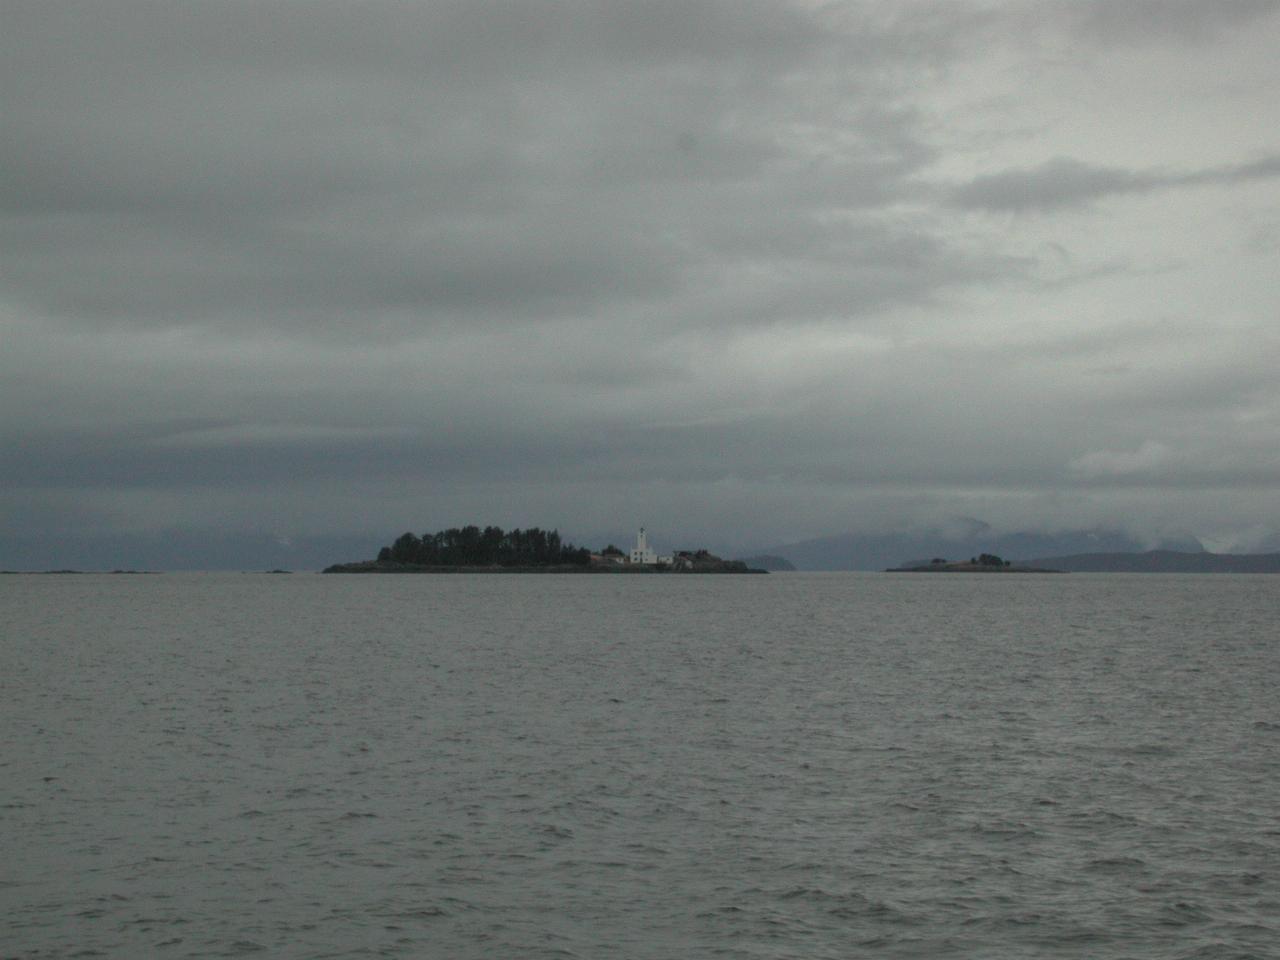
[[959, 541], [1164, 561], [1073, 550]]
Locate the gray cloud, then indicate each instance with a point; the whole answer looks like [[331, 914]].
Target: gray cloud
[[322, 268], [419, 165], [1153, 20], [1065, 183]]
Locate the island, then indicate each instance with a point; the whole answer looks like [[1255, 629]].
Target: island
[[983, 563], [473, 549]]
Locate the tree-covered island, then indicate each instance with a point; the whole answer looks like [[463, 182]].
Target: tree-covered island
[[983, 563], [472, 549]]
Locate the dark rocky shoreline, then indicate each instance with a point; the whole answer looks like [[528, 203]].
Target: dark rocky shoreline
[[376, 566], [968, 568]]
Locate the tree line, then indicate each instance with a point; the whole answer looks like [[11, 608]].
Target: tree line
[[472, 547]]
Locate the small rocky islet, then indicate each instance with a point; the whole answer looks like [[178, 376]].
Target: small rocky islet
[[984, 563]]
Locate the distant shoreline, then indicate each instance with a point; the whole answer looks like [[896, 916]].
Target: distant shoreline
[[969, 568], [374, 566], [58, 573]]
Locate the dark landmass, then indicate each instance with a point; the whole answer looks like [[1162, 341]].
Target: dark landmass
[[965, 537], [375, 566], [702, 561], [1166, 561], [769, 562], [493, 550], [969, 568], [47, 573], [42, 573], [391, 566], [984, 563], [491, 547]]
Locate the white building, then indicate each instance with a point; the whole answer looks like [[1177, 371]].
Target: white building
[[641, 553]]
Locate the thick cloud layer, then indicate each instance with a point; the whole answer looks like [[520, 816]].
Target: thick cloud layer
[[746, 272]]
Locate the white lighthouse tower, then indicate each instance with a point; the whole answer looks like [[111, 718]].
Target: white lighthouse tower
[[641, 553]]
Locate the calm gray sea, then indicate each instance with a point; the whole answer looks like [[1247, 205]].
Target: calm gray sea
[[798, 765]]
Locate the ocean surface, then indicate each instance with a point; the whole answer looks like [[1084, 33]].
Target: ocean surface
[[798, 765]]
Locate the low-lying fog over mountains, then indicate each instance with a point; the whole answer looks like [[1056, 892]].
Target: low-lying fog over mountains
[[1079, 550]]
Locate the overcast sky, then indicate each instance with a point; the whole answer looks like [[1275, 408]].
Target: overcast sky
[[746, 272]]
